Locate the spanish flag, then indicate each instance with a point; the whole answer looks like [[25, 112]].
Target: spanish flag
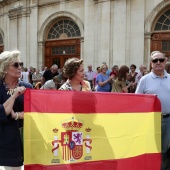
[[68, 130]]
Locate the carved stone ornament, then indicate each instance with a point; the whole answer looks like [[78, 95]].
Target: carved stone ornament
[[6, 2], [19, 12]]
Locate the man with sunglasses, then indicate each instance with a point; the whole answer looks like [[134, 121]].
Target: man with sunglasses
[[158, 82]]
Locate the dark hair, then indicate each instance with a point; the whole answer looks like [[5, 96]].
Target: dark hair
[[114, 66], [134, 66], [25, 69], [71, 66], [97, 68], [122, 72]]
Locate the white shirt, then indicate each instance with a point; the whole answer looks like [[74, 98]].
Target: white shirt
[[49, 85], [89, 75], [24, 76]]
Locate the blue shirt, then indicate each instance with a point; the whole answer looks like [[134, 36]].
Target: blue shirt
[[102, 78], [153, 84], [108, 72]]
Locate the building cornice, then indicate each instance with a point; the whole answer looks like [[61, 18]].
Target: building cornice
[[101, 1], [7, 2], [19, 12], [56, 2]]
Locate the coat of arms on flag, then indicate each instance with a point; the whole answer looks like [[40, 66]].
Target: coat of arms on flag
[[72, 140]]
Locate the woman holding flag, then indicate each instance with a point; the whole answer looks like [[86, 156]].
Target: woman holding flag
[[74, 70], [11, 110]]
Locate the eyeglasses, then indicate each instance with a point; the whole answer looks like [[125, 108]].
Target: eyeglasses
[[16, 64], [161, 60], [131, 68]]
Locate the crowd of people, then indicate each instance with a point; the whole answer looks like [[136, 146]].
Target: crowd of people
[[14, 79], [123, 79]]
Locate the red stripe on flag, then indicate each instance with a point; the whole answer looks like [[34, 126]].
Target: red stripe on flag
[[51, 101], [143, 162]]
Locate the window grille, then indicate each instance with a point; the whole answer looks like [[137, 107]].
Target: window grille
[[163, 22], [64, 29]]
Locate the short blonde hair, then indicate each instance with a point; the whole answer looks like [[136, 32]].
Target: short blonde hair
[[103, 66], [6, 58]]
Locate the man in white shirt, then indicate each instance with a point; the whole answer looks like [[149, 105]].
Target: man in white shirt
[[140, 74], [157, 82], [89, 75]]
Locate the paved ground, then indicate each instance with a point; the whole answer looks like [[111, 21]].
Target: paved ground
[[1, 168]]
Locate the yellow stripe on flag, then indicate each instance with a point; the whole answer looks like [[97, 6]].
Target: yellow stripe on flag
[[113, 136]]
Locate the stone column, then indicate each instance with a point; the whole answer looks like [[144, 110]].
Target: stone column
[[13, 28], [147, 44], [23, 36], [33, 26], [82, 48], [41, 47], [89, 31], [18, 31], [103, 32], [119, 32]]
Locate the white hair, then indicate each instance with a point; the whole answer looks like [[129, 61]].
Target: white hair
[[156, 52], [6, 58]]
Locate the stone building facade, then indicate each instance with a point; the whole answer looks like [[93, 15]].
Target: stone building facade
[[112, 31]]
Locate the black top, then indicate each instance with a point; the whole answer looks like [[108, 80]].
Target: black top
[[48, 75], [11, 148]]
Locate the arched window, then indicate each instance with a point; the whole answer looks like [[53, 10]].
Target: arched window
[[64, 29], [160, 38], [1, 40], [163, 23]]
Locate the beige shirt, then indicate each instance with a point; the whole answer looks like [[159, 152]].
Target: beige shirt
[[118, 86]]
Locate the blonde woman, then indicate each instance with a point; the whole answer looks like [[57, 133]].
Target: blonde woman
[[11, 110], [103, 80]]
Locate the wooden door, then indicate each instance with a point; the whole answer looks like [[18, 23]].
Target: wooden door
[[57, 52], [161, 42], [60, 60], [1, 48]]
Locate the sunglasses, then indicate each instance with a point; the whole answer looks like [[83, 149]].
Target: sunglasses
[[16, 64], [161, 60]]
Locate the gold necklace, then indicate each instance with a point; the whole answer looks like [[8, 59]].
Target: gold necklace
[[11, 91]]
